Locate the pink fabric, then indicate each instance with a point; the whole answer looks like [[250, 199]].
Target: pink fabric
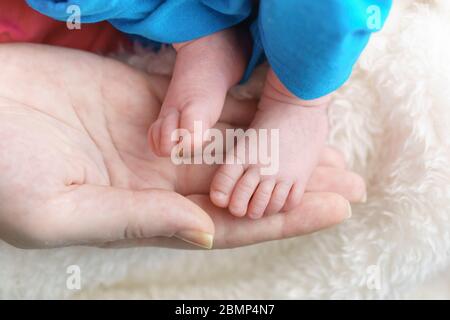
[[20, 23]]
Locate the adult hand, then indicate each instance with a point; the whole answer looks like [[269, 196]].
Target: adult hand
[[76, 170]]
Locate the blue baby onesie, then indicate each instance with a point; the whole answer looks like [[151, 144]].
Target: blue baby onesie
[[311, 45]]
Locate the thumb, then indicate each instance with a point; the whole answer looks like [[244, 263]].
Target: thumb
[[98, 214]]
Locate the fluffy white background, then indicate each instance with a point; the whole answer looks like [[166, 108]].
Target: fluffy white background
[[392, 120]]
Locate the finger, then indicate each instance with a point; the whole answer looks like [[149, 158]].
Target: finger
[[316, 211], [345, 183], [161, 242], [331, 157], [95, 214]]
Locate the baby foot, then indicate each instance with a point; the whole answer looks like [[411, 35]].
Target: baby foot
[[204, 71], [303, 127]]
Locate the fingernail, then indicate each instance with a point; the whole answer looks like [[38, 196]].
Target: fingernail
[[349, 211], [198, 238], [218, 195]]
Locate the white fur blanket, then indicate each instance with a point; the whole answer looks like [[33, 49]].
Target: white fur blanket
[[392, 120]]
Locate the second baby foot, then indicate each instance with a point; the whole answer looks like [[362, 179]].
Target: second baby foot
[[303, 126]]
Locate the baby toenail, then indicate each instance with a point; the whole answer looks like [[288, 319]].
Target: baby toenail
[[219, 195]]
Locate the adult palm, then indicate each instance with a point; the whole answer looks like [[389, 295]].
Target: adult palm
[[76, 169]]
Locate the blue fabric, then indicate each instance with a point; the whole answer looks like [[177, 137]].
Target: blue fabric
[[311, 45]]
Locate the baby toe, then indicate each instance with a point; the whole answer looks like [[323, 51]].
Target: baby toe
[[295, 196], [261, 199], [224, 182], [279, 197], [244, 190]]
